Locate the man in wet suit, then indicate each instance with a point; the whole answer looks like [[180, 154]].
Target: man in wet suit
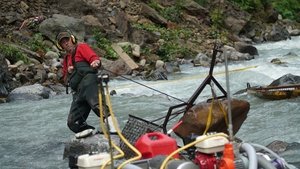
[[80, 74]]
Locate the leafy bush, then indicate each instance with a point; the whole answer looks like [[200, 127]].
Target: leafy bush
[[172, 13], [216, 17], [250, 5], [13, 54], [127, 49], [170, 48], [217, 29], [169, 51], [166, 34], [105, 44], [36, 43], [287, 8], [201, 2]]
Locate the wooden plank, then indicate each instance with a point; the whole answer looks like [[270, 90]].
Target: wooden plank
[[124, 56]]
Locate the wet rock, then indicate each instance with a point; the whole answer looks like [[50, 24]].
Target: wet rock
[[201, 60], [287, 150], [158, 74], [278, 146], [245, 48], [277, 61], [286, 79], [277, 33], [96, 143], [31, 92], [91, 145]]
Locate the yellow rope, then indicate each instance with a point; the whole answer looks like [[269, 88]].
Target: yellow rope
[[105, 132], [192, 77], [139, 155], [224, 112], [209, 117]]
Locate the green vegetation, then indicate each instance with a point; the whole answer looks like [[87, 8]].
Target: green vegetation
[[13, 54], [127, 49], [217, 28], [169, 51], [36, 43], [287, 8], [250, 5], [201, 2], [172, 13], [216, 17], [170, 47], [105, 44]]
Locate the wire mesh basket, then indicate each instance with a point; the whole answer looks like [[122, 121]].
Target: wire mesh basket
[[133, 129]]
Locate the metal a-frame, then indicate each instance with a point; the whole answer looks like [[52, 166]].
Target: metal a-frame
[[210, 78]]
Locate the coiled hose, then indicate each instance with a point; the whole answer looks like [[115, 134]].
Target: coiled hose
[[251, 155]]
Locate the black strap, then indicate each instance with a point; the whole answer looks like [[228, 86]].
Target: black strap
[[73, 64], [73, 56]]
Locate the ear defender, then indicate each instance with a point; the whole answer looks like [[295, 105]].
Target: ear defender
[[58, 46], [73, 38]]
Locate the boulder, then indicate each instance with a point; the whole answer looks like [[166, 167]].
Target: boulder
[[286, 79], [285, 149], [52, 26], [194, 121], [30, 92], [75, 147], [245, 48]]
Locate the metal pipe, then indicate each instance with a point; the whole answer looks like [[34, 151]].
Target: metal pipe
[[230, 130]]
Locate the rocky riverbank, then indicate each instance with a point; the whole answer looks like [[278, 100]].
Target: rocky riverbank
[[155, 37]]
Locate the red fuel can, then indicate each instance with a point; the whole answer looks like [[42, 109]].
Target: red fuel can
[[156, 143]]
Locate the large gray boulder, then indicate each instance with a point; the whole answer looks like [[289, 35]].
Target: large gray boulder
[[286, 80], [31, 92], [245, 48], [52, 26]]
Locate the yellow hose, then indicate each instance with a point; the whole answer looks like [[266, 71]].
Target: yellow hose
[[139, 155], [163, 165], [105, 132]]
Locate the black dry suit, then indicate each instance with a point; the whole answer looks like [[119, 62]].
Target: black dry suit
[[83, 82]]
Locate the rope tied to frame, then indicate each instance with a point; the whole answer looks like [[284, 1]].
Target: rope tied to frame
[[210, 116]]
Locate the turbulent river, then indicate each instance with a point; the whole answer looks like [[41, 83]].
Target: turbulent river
[[33, 133]]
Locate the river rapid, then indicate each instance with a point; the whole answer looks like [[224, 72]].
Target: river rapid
[[33, 133]]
